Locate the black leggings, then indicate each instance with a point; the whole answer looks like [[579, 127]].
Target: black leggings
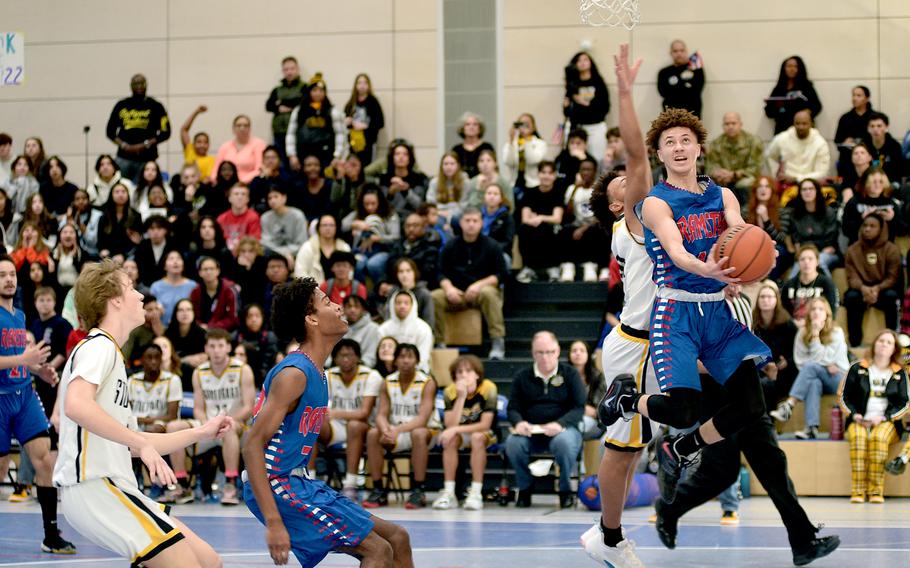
[[681, 407]]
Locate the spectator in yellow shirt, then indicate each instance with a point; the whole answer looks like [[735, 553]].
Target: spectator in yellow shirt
[[197, 152]]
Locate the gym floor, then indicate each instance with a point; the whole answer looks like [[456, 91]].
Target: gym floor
[[540, 536]]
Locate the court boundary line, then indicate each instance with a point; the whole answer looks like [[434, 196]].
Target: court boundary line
[[73, 561]]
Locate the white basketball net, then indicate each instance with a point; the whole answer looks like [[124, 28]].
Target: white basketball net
[[610, 13]]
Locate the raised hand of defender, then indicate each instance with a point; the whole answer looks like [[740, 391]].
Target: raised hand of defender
[[279, 542], [35, 355], [158, 469], [625, 73], [717, 270], [217, 427]]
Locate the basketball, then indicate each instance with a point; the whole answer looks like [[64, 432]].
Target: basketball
[[751, 252]]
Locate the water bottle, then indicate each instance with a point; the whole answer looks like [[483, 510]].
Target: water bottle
[[837, 423]]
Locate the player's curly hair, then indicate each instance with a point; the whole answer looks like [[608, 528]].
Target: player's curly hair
[[671, 118], [599, 202], [291, 303]]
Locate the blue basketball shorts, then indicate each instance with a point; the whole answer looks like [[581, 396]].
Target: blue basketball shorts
[[21, 415], [683, 332], [318, 519]]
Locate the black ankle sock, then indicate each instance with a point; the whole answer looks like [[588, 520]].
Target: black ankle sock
[[184, 482], [689, 443], [612, 537], [377, 484], [417, 485], [47, 498]]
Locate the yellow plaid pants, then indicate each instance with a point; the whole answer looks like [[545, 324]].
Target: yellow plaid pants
[[868, 453]]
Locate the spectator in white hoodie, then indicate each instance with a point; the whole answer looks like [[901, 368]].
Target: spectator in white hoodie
[[406, 327]]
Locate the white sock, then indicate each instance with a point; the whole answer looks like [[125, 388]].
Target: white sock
[[477, 487], [905, 459], [350, 480], [449, 487]]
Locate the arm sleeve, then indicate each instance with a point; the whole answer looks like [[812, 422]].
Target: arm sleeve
[[698, 80], [663, 88], [377, 119], [832, 294]]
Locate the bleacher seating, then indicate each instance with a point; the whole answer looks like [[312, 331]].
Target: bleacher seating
[[822, 468]]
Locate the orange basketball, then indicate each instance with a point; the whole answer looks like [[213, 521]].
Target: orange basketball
[[751, 252]]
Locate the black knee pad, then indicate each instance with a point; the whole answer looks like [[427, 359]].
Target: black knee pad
[[679, 408]]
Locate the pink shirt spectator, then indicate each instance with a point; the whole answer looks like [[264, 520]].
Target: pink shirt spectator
[[235, 227], [248, 159]]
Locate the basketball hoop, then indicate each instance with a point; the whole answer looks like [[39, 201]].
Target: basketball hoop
[[610, 13]]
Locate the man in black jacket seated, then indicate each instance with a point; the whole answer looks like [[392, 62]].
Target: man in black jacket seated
[[546, 404]]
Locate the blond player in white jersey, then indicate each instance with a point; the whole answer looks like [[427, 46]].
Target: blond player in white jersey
[[221, 385], [155, 394], [94, 472], [626, 350], [406, 420], [353, 390]]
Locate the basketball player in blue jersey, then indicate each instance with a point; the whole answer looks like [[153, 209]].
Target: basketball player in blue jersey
[[21, 412], [302, 515], [683, 218]]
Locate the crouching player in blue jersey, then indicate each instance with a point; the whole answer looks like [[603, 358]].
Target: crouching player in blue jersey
[[302, 515], [683, 218]]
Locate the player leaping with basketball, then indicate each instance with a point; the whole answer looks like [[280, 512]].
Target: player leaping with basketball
[[303, 515], [94, 470], [625, 351], [683, 218]]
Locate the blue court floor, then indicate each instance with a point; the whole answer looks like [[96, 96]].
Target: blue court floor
[[872, 535]]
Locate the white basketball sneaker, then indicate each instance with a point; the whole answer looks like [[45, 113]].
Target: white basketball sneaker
[[621, 556]]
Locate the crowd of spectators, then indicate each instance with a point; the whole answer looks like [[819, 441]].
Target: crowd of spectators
[[399, 246]]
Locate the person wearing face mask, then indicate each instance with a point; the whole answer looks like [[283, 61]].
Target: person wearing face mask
[[137, 125]]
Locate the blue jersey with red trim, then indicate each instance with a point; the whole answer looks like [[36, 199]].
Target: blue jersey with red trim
[[700, 219], [12, 342], [291, 446]]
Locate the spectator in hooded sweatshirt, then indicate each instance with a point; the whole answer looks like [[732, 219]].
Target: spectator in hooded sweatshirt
[[362, 329], [873, 273], [404, 325]]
